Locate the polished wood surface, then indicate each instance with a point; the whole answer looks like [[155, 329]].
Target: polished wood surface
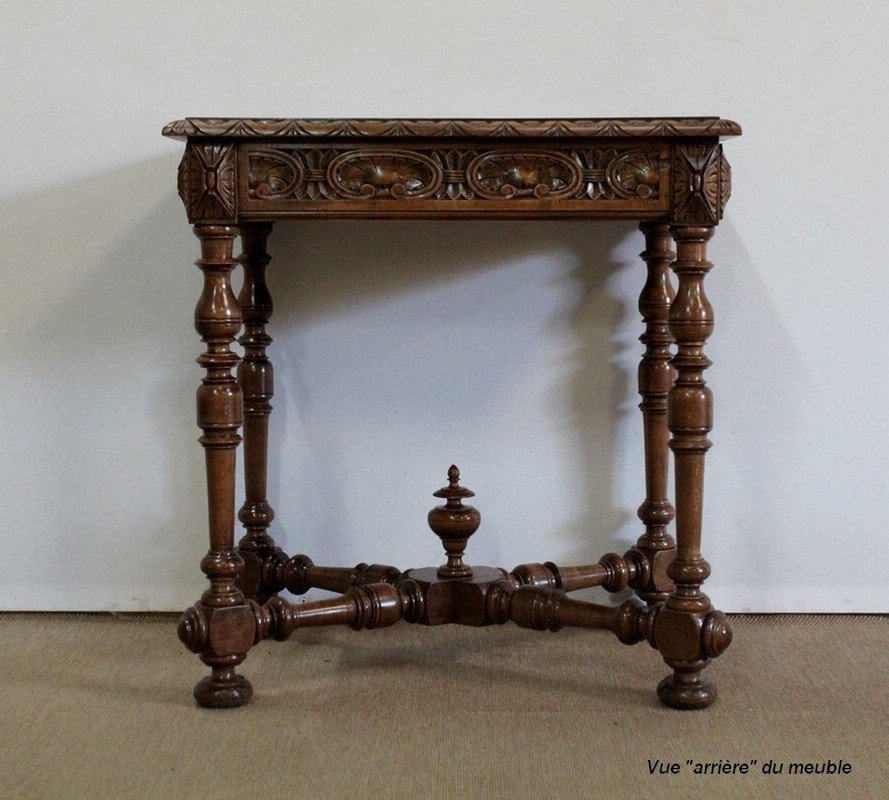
[[655, 549], [222, 612], [238, 176], [256, 378]]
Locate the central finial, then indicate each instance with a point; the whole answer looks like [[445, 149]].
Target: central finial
[[454, 523]]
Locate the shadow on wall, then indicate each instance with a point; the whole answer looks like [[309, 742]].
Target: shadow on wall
[[475, 301], [485, 341], [757, 498]]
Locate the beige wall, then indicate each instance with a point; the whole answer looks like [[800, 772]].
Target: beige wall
[[101, 486]]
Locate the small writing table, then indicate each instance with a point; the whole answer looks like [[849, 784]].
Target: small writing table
[[239, 176]]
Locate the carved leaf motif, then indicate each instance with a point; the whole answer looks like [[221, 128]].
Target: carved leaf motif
[[399, 174], [455, 165], [314, 165], [502, 174]]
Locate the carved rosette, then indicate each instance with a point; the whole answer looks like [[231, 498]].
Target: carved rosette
[[541, 174], [701, 183], [207, 182], [399, 174]]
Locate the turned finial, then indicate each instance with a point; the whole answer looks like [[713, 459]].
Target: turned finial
[[454, 523]]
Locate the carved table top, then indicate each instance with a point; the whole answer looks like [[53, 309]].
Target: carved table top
[[265, 169]]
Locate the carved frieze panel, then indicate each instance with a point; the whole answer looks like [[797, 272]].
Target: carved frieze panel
[[207, 182], [289, 173], [701, 183]]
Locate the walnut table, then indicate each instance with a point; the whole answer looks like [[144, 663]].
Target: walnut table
[[239, 176]]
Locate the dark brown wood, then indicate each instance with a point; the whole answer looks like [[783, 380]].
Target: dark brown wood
[[222, 612], [194, 128], [454, 523], [655, 549], [455, 601], [613, 573], [374, 605], [299, 574], [551, 609], [292, 178], [606, 168], [257, 380], [669, 174], [686, 611]]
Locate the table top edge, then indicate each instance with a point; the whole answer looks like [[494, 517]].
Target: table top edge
[[308, 128]]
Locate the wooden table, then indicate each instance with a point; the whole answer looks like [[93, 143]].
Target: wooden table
[[239, 176]]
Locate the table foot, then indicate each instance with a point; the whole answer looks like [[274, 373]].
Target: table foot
[[686, 691], [223, 689], [222, 637]]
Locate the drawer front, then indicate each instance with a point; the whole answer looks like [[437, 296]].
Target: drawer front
[[470, 179]]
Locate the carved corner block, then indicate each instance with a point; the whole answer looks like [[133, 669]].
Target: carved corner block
[[702, 183], [207, 181]]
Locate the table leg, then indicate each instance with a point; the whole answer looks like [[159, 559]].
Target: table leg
[[655, 549], [688, 631], [221, 626], [256, 378]]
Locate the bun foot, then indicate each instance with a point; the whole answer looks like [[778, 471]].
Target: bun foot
[[686, 691], [223, 691]]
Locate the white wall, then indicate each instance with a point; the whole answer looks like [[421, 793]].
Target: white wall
[[401, 347]]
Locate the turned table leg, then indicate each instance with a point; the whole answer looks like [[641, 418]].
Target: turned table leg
[[221, 627], [655, 549], [256, 378], [687, 630]]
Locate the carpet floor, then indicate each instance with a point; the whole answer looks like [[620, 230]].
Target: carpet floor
[[100, 706]]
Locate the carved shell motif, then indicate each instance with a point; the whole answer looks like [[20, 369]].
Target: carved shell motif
[[272, 173], [500, 174], [635, 174], [399, 174]]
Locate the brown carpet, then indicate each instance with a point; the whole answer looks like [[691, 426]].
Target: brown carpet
[[100, 706]]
